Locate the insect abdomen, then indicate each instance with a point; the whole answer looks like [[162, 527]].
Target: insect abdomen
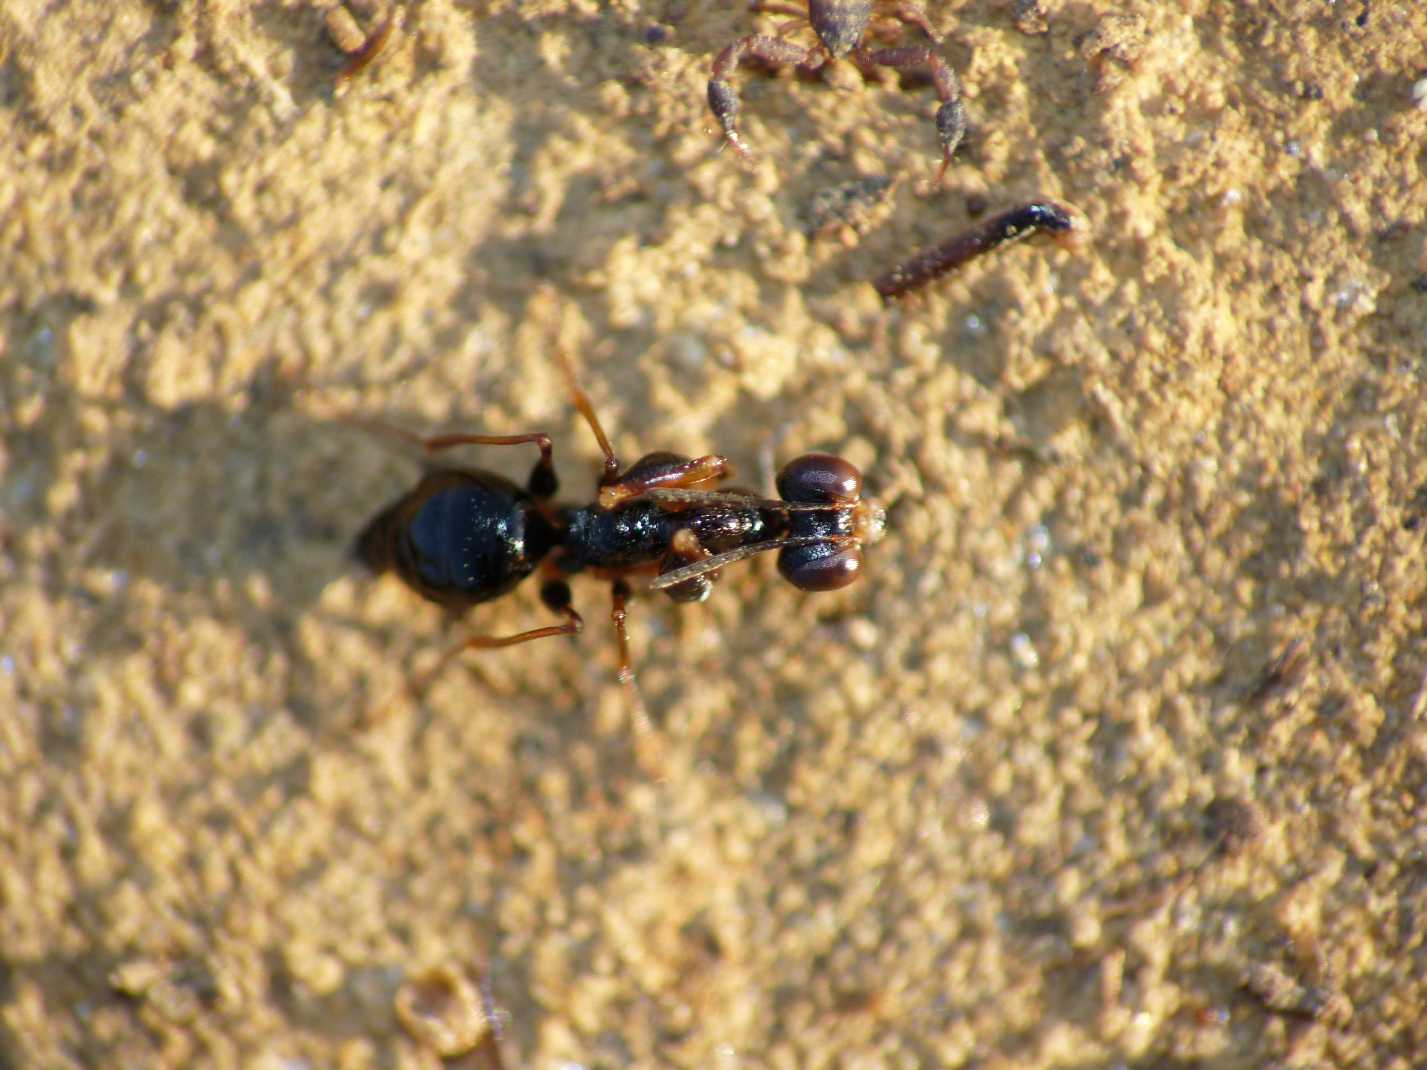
[[459, 537]]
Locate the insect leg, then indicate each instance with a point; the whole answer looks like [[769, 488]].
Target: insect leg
[[573, 624], [723, 98], [542, 482], [951, 116]]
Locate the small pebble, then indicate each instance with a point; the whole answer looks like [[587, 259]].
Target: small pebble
[[1023, 652], [442, 1009]]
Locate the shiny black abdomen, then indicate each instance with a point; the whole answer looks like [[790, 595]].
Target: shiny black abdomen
[[460, 537]]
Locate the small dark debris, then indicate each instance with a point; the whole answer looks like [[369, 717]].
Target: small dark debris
[[849, 821], [1282, 673], [264, 538], [1419, 284], [846, 204], [1278, 992], [1114, 48], [976, 205], [1232, 824], [1394, 231], [1030, 17], [656, 35], [701, 937], [1416, 508], [857, 1001], [928, 748]]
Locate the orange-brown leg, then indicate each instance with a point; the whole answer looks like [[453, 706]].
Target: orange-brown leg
[[619, 596], [417, 685], [655, 470], [586, 409], [542, 482], [646, 740], [572, 626]]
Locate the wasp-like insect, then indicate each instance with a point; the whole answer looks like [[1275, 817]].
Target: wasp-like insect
[[463, 536]]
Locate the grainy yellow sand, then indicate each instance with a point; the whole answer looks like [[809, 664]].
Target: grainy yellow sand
[[1116, 758]]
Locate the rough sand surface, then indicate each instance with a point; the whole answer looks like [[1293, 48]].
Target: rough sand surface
[[1117, 756]]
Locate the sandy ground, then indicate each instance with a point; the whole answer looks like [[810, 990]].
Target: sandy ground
[[1116, 758]]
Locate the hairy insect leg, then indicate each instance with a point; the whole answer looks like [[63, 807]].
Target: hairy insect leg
[[619, 597], [417, 686], [573, 624], [646, 740], [586, 408], [951, 116], [723, 98]]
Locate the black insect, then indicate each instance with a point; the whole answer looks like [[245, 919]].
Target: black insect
[[464, 536]]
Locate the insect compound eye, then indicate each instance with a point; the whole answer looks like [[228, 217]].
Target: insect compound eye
[[820, 566], [819, 478]]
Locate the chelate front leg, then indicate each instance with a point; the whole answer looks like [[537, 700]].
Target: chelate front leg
[[951, 116], [723, 97]]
